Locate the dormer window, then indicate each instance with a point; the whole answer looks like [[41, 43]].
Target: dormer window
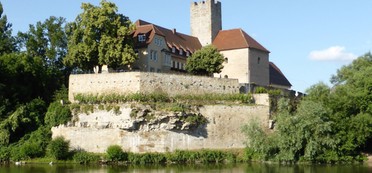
[[142, 38], [187, 53], [173, 49], [181, 52]]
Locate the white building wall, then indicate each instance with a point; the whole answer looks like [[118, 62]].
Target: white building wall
[[235, 65]]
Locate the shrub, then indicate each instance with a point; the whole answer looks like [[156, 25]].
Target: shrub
[[58, 148], [57, 114], [211, 156], [84, 157], [4, 154], [115, 153], [260, 90]]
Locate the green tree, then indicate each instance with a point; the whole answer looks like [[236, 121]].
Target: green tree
[[306, 134], [351, 102], [205, 61], [100, 36], [6, 39], [46, 40]]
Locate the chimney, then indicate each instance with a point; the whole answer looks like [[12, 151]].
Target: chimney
[[174, 30]]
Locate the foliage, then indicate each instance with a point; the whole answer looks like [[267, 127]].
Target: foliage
[[58, 148], [100, 36], [6, 40], [205, 61], [306, 135], [115, 153], [328, 125], [146, 158], [260, 90], [32, 145], [162, 97], [57, 114], [84, 157], [184, 156], [46, 40], [25, 119]]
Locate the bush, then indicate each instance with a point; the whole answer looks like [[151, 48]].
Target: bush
[[58, 148], [57, 114], [4, 154], [115, 153], [84, 157], [260, 90]]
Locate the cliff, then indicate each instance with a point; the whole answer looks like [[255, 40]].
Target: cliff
[[141, 128]]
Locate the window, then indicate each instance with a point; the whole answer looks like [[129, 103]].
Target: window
[[258, 60], [167, 60], [142, 38], [178, 65], [182, 66], [158, 42], [187, 53], [154, 55], [174, 64], [181, 51], [173, 49]]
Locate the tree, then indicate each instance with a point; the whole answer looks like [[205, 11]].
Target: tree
[[100, 36], [6, 39], [46, 40], [205, 61]]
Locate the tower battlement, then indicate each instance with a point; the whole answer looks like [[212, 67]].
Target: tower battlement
[[211, 2], [206, 20]]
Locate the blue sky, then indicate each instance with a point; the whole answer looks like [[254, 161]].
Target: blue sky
[[308, 39]]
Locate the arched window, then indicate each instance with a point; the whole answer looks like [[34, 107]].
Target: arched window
[[258, 60]]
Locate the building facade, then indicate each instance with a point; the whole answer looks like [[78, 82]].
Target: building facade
[[161, 49]]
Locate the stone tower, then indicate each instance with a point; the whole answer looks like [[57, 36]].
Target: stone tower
[[206, 20]]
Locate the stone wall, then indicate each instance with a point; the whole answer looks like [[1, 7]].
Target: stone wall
[[133, 82], [98, 130]]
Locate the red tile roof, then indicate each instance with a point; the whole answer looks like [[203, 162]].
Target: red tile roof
[[236, 39], [277, 77], [172, 37]]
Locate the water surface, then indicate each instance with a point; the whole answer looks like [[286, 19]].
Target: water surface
[[233, 168]]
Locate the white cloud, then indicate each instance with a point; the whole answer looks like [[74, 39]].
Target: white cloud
[[334, 53]]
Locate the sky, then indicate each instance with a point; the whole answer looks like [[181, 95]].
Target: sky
[[309, 40]]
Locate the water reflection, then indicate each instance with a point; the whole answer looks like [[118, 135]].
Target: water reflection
[[233, 168]]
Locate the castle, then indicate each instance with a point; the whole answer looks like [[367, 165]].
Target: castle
[[166, 50], [162, 55]]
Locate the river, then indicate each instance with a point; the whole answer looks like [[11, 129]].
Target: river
[[233, 168]]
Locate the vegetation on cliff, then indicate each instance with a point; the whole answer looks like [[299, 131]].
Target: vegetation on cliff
[[329, 125]]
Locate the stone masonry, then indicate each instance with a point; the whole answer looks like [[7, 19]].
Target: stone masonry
[[135, 82]]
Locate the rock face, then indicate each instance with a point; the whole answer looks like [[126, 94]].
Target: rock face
[[140, 128]]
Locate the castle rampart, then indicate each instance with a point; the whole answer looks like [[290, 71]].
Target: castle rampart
[[143, 82]]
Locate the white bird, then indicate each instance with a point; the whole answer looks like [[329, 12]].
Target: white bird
[[51, 163]]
